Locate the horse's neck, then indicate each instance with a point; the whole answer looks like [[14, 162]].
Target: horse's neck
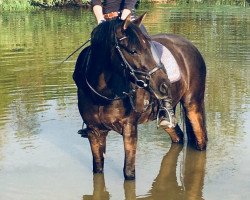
[[101, 83], [108, 82], [98, 79]]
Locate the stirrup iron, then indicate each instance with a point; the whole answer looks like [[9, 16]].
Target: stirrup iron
[[169, 114]]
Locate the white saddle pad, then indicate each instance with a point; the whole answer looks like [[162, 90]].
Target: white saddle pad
[[169, 62]]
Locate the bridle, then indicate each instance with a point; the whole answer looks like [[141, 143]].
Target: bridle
[[134, 73], [141, 83]]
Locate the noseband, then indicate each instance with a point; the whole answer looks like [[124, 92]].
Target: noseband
[[134, 73]]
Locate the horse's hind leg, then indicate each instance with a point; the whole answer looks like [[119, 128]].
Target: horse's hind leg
[[195, 124], [175, 134], [97, 140]]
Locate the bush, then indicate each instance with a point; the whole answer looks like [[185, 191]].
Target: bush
[[50, 3], [14, 4], [216, 2]]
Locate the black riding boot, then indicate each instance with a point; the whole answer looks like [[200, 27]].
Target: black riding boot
[[84, 131], [167, 117]]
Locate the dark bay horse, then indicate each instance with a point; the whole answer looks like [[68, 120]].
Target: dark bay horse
[[120, 83]]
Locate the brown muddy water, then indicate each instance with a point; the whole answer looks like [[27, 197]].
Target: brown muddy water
[[43, 157]]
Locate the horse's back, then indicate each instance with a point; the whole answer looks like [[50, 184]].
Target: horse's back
[[173, 39], [180, 46], [191, 63]]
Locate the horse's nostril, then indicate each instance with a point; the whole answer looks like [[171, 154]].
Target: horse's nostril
[[163, 88]]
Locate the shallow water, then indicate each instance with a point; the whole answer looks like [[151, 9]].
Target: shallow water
[[42, 157]]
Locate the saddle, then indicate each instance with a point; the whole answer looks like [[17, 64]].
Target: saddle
[[169, 62]]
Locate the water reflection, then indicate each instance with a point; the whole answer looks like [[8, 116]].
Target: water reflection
[[168, 183], [192, 175], [99, 192]]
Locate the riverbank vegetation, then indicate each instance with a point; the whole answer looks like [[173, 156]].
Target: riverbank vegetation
[[31, 4]]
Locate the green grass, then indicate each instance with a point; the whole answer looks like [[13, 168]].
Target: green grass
[[15, 5]]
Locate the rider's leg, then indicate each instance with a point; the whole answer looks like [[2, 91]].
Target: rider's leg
[[84, 131], [167, 114]]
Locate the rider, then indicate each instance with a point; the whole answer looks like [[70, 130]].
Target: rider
[[111, 9]]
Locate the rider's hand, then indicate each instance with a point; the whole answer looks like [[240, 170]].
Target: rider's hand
[[125, 13], [101, 21], [98, 13]]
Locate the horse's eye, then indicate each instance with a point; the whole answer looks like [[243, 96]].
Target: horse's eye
[[133, 52]]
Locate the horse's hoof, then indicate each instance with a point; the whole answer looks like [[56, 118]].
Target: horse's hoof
[[129, 178], [98, 171], [129, 175], [201, 147]]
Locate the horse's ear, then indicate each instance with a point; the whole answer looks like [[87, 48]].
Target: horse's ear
[[139, 20], [126, 22]]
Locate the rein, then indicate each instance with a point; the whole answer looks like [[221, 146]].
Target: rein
[[74, 52]]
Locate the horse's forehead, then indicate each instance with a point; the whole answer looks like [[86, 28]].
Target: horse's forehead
[[134, 35], [143, 42], [140, 38]]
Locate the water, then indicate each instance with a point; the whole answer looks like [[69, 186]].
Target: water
[[42, 157]]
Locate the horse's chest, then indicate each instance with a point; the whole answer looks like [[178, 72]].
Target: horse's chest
[[111, 113]]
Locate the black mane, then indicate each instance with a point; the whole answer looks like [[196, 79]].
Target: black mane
[[103, 41], [103, 34], [102, 37]]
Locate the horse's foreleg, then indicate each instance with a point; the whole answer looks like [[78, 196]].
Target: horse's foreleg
[[196, 128], [130, 144], [97, 142]]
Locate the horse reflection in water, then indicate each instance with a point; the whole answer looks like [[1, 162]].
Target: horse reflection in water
[[165, 185], [99, 192]]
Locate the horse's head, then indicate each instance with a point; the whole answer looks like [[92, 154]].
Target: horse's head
[[129, 51]]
